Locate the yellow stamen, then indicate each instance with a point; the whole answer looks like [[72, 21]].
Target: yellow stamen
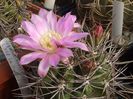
[[45, 40]]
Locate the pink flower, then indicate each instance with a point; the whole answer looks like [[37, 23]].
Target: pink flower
[[49, 39]]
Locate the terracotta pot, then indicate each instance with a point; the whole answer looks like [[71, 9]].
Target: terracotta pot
[[7, 81], [5, 71]]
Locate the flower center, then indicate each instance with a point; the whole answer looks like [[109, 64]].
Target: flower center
[[46, 40]]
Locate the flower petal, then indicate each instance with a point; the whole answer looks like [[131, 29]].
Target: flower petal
[[26, 42], [64, 52], [76, 44], [43, 13], [73, 17], [30, 29], [54, 59], [49, 16], [64, 27], [28, 58], [65, 24], [43, 67], [76, 36], [40, 23], [81, 46], [52, 20]]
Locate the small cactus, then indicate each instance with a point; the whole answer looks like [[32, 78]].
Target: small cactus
[[90, 75]]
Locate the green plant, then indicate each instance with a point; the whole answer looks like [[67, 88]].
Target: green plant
[[89, 75], [100, 11], [11, 14], [92, 75]]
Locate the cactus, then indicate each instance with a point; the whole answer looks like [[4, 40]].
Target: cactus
[[88, 75], [101, 11], [92, 75], [11, 14]]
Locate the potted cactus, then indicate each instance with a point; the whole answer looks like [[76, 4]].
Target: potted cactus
[[88, 74], [66, 66]]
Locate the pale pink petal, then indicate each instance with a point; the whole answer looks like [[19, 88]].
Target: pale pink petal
[[75, 36], [28, 58], [26, 42], [64, 27], [52, 20], [68, 15], [21, 36], [40, 23], [64, 52], [65, 24], [59, 26], [28, 48], [23, 40], [43, 13], [54, 59], [81, 46], [30, 29], [49, 16], [43, 67], [33, 48], [76, 45]]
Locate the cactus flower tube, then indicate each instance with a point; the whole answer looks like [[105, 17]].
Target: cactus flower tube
[[98, 31], [49, 39]]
